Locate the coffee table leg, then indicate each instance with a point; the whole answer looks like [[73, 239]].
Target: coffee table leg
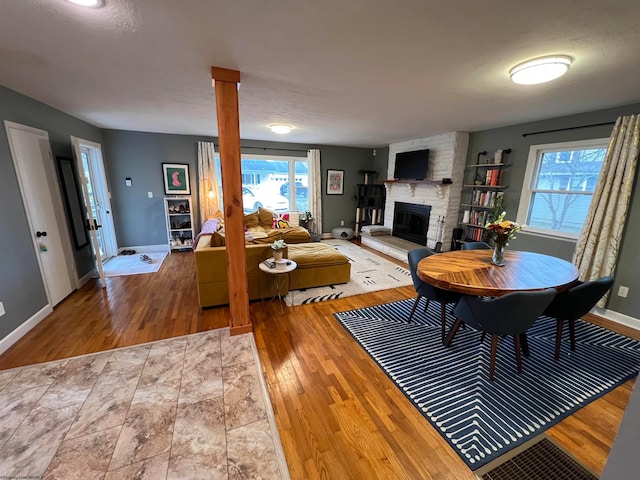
[[278, 292]]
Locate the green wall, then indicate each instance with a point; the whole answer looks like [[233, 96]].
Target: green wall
[[139, 220], [513, 137], [21, 287]]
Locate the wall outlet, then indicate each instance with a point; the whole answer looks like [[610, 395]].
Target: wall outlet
[[623, 291], [342, 223], [2, 312], [150, 194]]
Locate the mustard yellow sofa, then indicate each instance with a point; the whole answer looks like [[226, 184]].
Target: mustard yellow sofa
[[259, 230], [318, 264], [211, 272]]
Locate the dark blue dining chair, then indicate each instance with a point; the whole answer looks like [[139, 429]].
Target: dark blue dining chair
[[476, 246], [429, 292], [510, 314], [573, 304]]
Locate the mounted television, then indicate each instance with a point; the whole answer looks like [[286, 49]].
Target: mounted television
[[411, 165]]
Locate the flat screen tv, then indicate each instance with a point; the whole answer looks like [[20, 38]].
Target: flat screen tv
[[411, 165]]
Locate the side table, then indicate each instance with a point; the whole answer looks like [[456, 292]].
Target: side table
[[279, 276]]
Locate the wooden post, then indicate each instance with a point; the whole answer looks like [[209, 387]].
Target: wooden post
[[226, 88]]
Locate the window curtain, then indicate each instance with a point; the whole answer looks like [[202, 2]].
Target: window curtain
[[209, 189], [315, 189], [597, 248]]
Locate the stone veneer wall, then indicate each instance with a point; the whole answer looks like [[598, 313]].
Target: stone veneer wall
[[447, 157]]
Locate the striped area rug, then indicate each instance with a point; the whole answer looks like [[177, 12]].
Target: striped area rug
[[482, 420]]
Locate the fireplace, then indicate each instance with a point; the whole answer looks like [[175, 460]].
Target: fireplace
[[411, 222]]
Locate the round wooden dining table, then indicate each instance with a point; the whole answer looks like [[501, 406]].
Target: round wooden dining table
[[471, 272]]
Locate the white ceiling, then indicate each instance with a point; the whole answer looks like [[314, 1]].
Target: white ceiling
[[343, 72]]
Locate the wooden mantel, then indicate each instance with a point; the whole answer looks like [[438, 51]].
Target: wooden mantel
[[226, 82]]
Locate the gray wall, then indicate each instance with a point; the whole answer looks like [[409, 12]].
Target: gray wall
[[139, 220], [512, 137], [21, 287]]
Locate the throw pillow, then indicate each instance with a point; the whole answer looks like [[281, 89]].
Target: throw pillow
[[218, 239], [252, 220], [282, 223], [294, 219], [265, 217]]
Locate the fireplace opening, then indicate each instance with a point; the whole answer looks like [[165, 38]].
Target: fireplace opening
[[411, 222]]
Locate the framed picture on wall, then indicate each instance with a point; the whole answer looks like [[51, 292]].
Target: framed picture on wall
[[335, 182], [176, 179]]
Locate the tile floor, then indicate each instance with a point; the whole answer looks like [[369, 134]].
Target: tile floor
[[185, 408]]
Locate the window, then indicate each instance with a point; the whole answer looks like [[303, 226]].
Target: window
[[558, 186], [266, 182]]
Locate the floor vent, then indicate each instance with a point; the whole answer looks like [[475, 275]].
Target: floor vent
[[542, 460]]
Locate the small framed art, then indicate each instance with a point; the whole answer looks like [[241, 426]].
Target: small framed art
[[335, 182], [176, 179]]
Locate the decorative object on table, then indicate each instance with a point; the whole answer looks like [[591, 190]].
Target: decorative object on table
[[335, 182], [483, 420], [278, 246], [176, 178], [305, 219], [500, 232]]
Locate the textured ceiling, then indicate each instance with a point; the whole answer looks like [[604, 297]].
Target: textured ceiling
[[343, 72]]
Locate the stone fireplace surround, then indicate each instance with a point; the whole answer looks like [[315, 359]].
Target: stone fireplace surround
[[447, 159]]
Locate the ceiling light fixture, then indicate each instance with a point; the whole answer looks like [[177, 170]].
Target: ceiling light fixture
[[88, 3], [280, 128], [540, 70]]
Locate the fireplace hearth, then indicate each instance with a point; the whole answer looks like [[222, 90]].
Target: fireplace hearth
[[411, 222]]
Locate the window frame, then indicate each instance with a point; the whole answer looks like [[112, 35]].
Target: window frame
[[291, 159], [527, 190]]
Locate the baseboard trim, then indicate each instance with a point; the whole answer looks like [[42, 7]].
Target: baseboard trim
[[8, 341], [617, 317], [241, 330], [86, 277]]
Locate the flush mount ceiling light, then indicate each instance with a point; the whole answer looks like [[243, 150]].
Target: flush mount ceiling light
[[540, 70], [280, 128], [88, 3]]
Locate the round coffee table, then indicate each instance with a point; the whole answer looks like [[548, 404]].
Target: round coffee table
[[279, 276]]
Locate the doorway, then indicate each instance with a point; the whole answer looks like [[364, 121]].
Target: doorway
[[97, 202], [32, 158]]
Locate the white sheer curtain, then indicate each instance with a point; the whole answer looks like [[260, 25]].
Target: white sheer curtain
[[208, 188], [597, 248], [315, 189]]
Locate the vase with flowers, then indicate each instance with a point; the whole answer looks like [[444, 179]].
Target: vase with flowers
[[305, 219], [500, 232], [278, 247]]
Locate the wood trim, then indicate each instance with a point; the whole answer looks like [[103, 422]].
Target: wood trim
[[241, 330], [219, 74], [230, 165]]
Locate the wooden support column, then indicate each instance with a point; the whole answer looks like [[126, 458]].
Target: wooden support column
[[226, 87]]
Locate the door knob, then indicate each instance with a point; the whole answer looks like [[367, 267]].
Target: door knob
[[41, 234]]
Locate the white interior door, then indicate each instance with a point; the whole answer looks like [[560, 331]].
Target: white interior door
[[97, 214], [90, 161], [40, 192]]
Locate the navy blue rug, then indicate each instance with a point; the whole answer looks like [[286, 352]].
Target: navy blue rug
[[482, 420]]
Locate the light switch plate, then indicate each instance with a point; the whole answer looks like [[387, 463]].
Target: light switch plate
[[2, 312], [150, 194]]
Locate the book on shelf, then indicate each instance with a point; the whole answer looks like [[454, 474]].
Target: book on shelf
[[494, 179]]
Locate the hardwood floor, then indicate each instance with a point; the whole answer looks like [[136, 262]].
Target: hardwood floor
[[338, 414]]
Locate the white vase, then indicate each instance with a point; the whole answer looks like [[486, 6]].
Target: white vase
[[277, 255]]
